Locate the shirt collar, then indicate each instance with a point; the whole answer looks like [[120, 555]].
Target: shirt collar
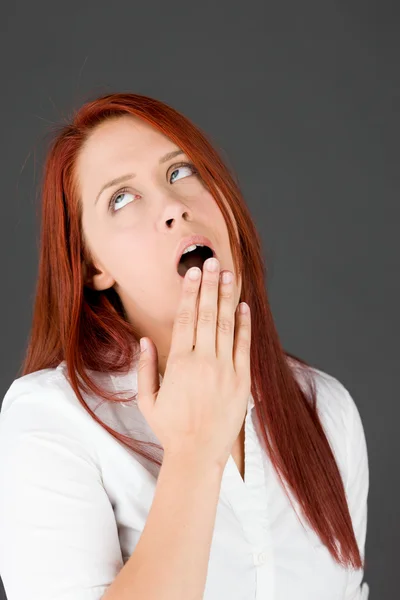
[[250, 403]]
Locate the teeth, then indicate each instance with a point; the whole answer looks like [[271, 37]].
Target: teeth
[[191, 248]]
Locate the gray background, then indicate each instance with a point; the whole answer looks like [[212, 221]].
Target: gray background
[[303, 97]]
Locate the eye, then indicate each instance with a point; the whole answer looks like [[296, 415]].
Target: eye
[[114, 200], [191, 167], [114, 205]]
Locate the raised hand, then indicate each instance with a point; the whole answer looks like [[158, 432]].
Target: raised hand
[[201, 403]]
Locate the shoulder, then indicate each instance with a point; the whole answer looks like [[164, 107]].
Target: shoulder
[[47, 388], [53, 494], [37, 388], [341, 419], [34, 383], [43, 405], [334, 401]]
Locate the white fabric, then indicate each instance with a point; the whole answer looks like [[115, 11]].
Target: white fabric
[[74, 501]]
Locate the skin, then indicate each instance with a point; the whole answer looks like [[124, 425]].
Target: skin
[[134, 247]]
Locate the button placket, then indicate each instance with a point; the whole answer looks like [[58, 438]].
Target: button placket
[[260, 558]]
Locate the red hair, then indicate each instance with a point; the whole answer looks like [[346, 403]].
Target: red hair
[[89, 329]]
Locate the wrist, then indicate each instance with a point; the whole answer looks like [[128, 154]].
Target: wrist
[[194, 462]]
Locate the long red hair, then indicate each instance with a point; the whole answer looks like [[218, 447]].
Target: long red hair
[[88, 329]]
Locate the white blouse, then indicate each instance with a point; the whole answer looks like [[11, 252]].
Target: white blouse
[[74, 501]]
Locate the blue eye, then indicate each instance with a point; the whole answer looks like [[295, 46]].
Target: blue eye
[[113, 201], [115, 197], [184, 165]]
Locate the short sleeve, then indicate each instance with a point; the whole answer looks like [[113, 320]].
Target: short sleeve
[[59, 538], [357, 492]]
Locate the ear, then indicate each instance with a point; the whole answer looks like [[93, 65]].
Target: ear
[[97, 278], [102, 281]]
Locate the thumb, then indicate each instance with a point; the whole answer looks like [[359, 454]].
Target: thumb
[[147, 375]]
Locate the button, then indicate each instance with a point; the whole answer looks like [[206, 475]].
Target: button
[[260, 558]]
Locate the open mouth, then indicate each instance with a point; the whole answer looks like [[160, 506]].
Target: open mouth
[[194, 258]]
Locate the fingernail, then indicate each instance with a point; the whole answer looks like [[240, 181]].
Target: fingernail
[[211, 264], [226, 277], [194, 273]]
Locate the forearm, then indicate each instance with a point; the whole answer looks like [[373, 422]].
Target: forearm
[[170, 560]]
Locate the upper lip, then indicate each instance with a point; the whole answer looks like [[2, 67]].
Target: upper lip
[[188, 241]]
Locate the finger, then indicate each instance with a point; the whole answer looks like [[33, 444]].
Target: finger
[[242, 343], [207, 310], [226, 317], [147, 375], [184, 324]]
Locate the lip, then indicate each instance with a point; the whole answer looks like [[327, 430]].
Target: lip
[[188, 241]]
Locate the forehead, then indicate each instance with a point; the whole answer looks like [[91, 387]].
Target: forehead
[[117, 143]]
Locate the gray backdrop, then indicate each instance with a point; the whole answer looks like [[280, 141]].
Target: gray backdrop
[[304, 99]]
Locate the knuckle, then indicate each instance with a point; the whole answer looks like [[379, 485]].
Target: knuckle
[[184, 316], [224, 324], [226, 293], [142, 365], [206, 315], [243, 346], [176, 360], [211, 283], [207, 365], [191, 290]]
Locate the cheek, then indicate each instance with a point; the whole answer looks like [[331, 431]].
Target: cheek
[[136, 264], [118, 252], [232, 218], [218, 217]]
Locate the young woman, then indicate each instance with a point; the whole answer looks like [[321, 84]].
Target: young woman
[[233, 470]]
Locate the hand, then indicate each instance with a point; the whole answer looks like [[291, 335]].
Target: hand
[[202, 401]]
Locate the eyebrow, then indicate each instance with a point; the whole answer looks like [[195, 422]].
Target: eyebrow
[[122, 178]]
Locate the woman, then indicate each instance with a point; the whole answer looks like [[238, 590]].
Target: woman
[[233, 470]]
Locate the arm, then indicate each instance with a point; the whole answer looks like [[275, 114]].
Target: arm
[[171, 558], [59, 538]]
